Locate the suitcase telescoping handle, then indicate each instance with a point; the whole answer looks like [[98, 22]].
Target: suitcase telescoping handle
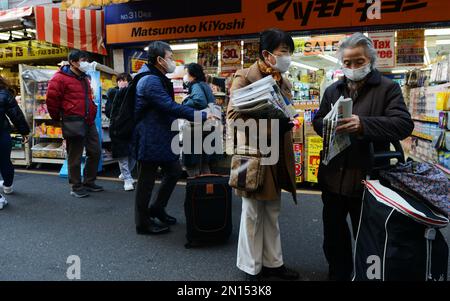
[[381, 160]]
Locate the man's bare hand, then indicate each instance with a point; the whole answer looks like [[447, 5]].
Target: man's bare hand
[[349, 125]]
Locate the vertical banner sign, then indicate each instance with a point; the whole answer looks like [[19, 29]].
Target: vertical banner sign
[[251, 52], [410, 47], [208, 56], [230, 56], [313, 147], [298, 154], [384, 43]]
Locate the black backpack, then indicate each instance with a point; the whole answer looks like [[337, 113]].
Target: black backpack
[[122, 120]]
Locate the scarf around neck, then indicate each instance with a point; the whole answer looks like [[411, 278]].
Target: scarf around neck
[[266, 70]]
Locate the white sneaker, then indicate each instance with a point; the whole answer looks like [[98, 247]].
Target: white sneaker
[[121, 177], [128, 185], [3, 202], [6, 189]]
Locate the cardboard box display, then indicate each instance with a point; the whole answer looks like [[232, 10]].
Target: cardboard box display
[[298, 155], [313, 147]]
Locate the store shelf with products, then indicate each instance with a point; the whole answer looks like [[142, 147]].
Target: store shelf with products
[[429, 105]]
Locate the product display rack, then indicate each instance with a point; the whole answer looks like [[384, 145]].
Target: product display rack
[[427, 94], [47, 144], [20, 153]]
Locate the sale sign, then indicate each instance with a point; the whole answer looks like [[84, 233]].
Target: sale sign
[[230, 56], [384, 43]]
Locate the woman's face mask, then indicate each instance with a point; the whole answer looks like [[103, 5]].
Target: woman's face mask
[[186, 79], [282, 63], [122, 84], [359, 74]]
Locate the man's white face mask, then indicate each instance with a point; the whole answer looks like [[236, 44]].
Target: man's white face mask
[[359, 74], [86, 66]]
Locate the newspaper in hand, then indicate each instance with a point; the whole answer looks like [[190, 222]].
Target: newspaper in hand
[[262, 98], [334, 144]]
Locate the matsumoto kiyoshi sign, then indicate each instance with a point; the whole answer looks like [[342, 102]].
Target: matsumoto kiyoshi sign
[[135, 22]]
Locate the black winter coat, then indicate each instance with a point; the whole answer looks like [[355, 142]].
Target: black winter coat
[[9, 108], [384, 118]]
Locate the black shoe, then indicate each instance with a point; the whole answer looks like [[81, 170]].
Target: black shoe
[[79, 193], [250, 277], [163, 216], [153, 227], [280, 272], [93, 187]]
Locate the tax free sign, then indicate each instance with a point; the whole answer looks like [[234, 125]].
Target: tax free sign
[[384, 43]]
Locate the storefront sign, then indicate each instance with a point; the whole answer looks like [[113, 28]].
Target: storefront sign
[[163, 20], [230, 56], [208, 55], [410, 47], [318, 45], [30, 51], [134, 60], [384, 43], [251, 52]]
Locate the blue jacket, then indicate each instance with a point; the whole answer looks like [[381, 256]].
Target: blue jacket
[[155, 110], [200, 95]]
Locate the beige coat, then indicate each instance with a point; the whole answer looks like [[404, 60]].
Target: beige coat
[[278, 176]]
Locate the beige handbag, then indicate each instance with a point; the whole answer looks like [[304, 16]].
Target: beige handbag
[[247, 172]]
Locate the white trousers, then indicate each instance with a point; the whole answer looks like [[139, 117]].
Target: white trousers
[[259, 236]]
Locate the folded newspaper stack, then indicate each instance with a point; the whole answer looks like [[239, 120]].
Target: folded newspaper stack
[[262, 99], [334, 143]]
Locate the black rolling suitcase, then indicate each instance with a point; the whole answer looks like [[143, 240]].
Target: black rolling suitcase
[[398, 236], [207, 207]]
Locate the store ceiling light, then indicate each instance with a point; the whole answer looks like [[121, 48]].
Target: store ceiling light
[[437, 32], [329, 58], [193, 46], [398, 71], [443, 42], [300, 65]]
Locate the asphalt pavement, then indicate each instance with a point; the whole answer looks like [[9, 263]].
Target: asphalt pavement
[[43, 225]]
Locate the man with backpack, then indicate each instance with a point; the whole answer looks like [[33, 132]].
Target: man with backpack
[[69, 98], [155, 110], [120, 147]]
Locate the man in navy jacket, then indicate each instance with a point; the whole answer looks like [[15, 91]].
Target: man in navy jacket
[[155, 110]]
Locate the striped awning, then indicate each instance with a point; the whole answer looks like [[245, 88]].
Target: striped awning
[[88, 3], [75, 28], [15, 13]]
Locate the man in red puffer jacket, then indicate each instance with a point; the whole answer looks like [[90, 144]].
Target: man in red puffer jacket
[[68, 96]]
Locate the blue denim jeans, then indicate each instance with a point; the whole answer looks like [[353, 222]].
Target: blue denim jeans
[[126, 165]]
